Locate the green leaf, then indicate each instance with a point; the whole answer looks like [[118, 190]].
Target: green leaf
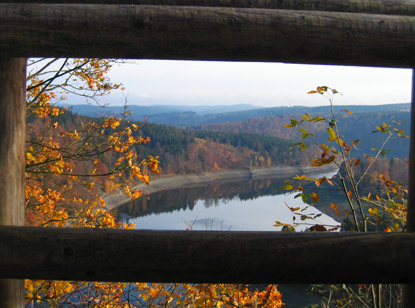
[[300, 144], [298, 195], [303, 146], [317, 119]]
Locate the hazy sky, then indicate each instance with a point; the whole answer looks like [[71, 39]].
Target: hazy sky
[[264, 84]]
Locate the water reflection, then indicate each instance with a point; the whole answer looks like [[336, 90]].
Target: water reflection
[[243, 205]]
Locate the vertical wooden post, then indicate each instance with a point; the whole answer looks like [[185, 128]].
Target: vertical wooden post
[[12, 161], [409, 290]]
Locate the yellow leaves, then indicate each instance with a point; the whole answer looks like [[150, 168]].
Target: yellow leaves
[[55, 111], [320, 90], [324, 89], [374, 211], [115, 123], [145, 178], [131, 140], [136, 194], [154, 293], [75, 135], [278, 224], [30, 157], [60, 164], [302, 178], [127, 190], [332, 134]]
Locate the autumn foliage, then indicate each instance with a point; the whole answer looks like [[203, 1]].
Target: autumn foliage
[[372, 200], [71, 164]]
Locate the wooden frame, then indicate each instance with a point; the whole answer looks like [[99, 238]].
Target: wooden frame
[[208, 33], [206, 256], [343, 32]]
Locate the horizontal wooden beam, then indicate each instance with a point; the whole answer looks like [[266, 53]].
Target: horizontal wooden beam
[[195, 33], [392, 7], [206, 256]]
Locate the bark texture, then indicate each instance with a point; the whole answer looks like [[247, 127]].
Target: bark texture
[[12, 161]]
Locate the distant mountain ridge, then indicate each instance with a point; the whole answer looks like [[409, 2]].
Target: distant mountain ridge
[[140, 112], [191, 116]]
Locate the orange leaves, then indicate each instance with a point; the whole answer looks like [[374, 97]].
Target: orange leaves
[[64, 162], [136, 194], [320, 181], [318, 228], [323, 160], [323, 89], [314, 197], [335, 207], [320, 90]]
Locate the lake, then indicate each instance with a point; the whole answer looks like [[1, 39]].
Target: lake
[[252, 205]]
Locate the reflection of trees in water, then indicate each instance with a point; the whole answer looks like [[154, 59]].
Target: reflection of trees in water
[[186, 198]]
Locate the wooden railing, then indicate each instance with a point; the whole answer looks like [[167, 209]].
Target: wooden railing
[[344, 32], [206, 256], [208, 33]]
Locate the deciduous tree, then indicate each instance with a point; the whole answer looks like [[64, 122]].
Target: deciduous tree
[[70, 163]]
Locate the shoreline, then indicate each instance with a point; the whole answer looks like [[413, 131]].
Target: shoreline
[[169, 182]]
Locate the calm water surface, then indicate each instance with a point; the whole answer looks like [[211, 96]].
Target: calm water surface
[[239, 206]]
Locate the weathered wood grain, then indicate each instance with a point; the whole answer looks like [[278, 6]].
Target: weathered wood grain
[[196, 33], [12, 161], [392, 7], [205, 256]]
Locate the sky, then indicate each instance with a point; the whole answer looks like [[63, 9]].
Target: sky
[[149, 82]]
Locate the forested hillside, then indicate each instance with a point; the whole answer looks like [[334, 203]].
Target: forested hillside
[[267, 121], [189, 151], [359, 125]]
